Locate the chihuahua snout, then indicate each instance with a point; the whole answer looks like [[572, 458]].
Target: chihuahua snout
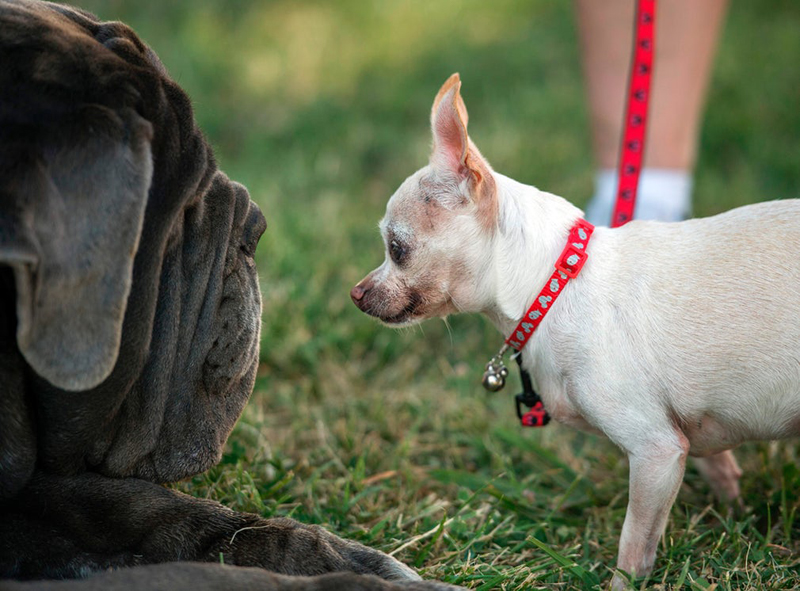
[[359, 291], [372, 298]]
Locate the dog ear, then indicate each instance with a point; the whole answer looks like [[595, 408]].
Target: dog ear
[[453, 150], [72, 203], [449, 120]]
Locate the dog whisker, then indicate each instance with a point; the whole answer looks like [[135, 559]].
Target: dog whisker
[[458, 306], [449, 330]]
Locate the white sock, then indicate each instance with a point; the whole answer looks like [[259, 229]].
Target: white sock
[[664, 194]]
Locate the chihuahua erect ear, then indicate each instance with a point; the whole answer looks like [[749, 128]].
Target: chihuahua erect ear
[[452, 148]]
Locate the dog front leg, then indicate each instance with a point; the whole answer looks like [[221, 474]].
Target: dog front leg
[[722, 473], [71, 526], [656, 472], [197, 576]]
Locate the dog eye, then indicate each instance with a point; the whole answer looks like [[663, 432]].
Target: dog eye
[[396, 251]]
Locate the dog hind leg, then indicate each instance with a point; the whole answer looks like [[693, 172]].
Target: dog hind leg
[[722, 473]]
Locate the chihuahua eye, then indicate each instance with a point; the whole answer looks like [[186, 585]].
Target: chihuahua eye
[[397, 252]]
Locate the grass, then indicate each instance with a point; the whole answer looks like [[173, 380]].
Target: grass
[[387, 437]]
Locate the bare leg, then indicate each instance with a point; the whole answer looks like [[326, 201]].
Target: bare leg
[[722, 473], [656, 472], [686, 35]]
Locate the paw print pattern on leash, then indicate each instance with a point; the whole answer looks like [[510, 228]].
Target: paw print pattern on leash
[[633, 137]]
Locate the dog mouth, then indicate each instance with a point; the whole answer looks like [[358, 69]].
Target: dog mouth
[[407, 315]]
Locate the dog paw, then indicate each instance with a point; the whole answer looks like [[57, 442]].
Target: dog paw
[[375, 562], [620, 582], [288, 547], [352, 582]]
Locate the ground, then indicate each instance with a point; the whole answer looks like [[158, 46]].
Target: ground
[[321, 109]]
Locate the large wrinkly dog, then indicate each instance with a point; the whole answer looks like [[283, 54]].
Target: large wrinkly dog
[[675, 339], [129, 328]]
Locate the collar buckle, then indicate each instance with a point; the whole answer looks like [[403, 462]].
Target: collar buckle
[[574, 254], [571, 261]]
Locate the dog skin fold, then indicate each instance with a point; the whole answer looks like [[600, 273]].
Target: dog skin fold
[[130, 320]]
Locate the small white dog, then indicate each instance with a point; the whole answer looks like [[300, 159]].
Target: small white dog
[[677, 339]]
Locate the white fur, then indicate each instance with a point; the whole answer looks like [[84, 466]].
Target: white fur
[[676, 339]]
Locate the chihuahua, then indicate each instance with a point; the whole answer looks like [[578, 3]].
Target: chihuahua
[[676, 339]]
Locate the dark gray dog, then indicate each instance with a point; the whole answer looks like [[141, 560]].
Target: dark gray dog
[[129, 328]]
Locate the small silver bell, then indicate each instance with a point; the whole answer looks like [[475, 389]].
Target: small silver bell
[[494, 378], [493, 381]]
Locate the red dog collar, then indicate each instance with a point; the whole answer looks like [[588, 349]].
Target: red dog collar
[[568, 265]]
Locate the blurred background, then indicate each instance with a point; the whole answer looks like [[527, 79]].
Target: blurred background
[[321, 108]]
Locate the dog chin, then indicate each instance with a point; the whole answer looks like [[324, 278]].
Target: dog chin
[[415, 315], [401, 320]]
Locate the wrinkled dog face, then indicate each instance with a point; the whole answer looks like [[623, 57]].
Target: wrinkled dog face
[[234, 336], [126, 259], [437, 230], [202, 367]]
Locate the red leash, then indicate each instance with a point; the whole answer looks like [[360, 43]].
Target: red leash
[[632, 150]]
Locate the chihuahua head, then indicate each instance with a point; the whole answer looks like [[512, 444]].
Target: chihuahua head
[[437, 230]]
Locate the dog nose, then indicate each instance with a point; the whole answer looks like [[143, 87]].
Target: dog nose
[[254, 227], [357, 293]]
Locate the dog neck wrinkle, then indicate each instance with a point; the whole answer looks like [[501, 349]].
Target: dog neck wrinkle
[[533, 228]]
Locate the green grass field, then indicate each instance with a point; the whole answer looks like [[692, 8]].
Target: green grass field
[[321, 109]]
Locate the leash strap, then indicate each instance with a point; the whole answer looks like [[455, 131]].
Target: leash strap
[[632, 150], [568, 265]]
